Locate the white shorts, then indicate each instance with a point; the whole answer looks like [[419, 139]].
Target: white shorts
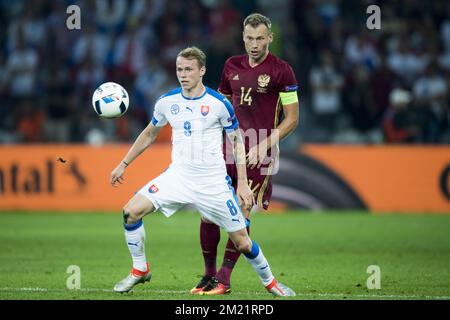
[[171, 190]]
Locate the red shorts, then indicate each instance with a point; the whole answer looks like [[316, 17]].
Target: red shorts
[[260, 184]]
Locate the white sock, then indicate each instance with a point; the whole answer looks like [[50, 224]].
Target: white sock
[[135, 238], [260, 264]]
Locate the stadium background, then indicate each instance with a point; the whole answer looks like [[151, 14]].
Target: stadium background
[[374, 128]]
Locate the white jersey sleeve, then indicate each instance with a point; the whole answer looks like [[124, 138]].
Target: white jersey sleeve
[[159, 118]]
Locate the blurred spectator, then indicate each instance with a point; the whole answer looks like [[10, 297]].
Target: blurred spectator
[[357, 99], [30, 121], [55, 84], [326, 85], [430, 92], [149, 85], [110, 15], [91, 45], [147, 10], [382, 82], [224, 18], [398, 123], [405, 63], [29, 27], [89, 75], [445, 31], [360, 49], [129, 53], [21, 67], [346, 73]]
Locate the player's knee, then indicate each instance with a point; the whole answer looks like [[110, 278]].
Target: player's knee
[[243, 245], [125, 215], [130, 215]]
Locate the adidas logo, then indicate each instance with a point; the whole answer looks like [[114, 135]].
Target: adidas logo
[[236, 77]]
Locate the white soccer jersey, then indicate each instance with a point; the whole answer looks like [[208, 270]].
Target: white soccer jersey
[[197, 175], [197, 126]]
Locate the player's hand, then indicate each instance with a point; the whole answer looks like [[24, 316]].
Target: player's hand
[[256, 155], [117, 175], [245, 195]]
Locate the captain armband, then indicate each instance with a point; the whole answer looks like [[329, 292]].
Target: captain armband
[[288, 97]]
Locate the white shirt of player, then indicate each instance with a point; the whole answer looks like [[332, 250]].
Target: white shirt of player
[[197, 129]]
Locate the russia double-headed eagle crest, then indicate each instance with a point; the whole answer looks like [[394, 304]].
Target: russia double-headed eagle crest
[[263, 80]]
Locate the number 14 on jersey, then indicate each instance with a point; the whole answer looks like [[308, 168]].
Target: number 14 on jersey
[[245, 96]]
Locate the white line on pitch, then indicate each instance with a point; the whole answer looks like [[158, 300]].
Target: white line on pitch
[[334, 295]]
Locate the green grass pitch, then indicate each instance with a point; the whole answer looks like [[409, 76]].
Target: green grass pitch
[[321, 256]]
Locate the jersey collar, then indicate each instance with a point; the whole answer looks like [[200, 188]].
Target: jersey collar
[[196, 98], [263, 62]]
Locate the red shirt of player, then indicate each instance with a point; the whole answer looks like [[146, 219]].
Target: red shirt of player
[[255, 93]]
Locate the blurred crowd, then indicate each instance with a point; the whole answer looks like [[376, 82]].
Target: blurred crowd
[[356, 85]]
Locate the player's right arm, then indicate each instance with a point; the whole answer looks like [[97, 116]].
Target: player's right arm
[[143, 141]]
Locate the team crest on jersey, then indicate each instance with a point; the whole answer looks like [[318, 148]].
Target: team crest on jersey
[[175, 109], [263, 80], [153, 189], [204, 110]]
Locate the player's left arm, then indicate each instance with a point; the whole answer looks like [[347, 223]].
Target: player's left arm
[[243, 192], [290, 121], [230, 124], [290, 104], [287, 88]]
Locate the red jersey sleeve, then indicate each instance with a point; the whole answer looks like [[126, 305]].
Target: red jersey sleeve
[[224, 86], [287, 82]]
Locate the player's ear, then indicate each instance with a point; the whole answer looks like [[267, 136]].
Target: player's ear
[[270, 37], [202, 71]]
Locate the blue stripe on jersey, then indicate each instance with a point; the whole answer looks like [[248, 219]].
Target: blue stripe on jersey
[[154, 121], [233, 126], [222, 99], [218, 96], [170, 93]]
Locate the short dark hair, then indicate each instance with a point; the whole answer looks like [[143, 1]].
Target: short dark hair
[[255, 19], [194, 53]]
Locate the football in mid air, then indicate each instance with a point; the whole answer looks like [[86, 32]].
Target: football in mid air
[[110, 100]]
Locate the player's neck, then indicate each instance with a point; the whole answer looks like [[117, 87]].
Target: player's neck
[[254, 63], [195, 92]]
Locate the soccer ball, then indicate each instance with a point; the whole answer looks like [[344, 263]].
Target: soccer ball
[[110, 100]]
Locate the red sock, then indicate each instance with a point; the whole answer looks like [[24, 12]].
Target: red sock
[[230, 258], [209, 240]]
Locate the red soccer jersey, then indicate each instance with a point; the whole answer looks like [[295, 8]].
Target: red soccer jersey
[[256, 91]]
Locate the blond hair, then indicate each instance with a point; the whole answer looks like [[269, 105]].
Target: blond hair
[[255, 19], [194, 53]]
